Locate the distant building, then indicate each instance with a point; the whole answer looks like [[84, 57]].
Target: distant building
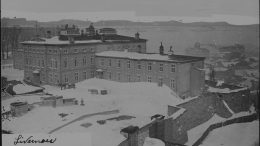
[[67, 30], [90, 31], [107, 31], [198, 51]]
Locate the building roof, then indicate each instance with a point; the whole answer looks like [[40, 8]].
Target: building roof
[[52, 98], [83, 39], [107, 29], [130, 129], [147, 56]]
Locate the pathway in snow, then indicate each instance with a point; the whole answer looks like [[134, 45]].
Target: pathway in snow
[[85, 116]]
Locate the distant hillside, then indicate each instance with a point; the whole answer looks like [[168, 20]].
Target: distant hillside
[[172, 33], [29, 23]]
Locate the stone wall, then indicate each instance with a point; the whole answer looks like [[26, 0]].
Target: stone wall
[[238, 101]]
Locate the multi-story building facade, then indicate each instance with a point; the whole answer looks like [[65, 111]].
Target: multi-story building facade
[[183, 74], [69, 57], [73, 57]]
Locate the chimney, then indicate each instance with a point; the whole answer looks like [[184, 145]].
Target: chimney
[[171, 51], [71, 39], [197, 45], [102, 38], [137, 36], [48, 34], [161, 49]]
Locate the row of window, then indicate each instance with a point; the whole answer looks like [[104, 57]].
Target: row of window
[[138, 77], [76, 76], [53, 63], [65, 51], [34, 50], [76, 61], [149, 66], [38, 62]]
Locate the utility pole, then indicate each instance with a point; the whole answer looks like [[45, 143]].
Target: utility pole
[[36, 28]]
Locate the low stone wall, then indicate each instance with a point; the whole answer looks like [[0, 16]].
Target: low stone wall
[[243, 119]]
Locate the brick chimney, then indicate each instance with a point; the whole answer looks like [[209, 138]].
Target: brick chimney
[[71, 39], [137, 36], [170, 51], [103, 38], [161, 49]]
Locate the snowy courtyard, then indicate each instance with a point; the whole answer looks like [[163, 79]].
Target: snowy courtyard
[[103, 116]]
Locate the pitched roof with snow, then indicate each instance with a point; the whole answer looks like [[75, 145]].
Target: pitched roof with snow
[[84, 39], [149, 56]]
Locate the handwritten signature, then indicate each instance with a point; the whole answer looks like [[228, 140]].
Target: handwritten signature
[[21, 139]]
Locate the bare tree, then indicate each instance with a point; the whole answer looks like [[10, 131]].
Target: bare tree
[[9, 39], [14, 37]]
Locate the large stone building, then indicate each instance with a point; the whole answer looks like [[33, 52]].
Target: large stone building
[[73, 56], [182, 74]]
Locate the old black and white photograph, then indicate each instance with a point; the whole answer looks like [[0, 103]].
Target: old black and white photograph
[[130, 72]]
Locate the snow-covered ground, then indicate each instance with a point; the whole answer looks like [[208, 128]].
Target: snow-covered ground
[[137, 98], [153, 142], [141, 100], [242, 134], [195, 133]]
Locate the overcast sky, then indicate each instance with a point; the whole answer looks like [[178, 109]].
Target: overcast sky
[[232, 11]]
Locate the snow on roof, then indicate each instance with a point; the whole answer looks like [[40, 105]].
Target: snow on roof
[[99, 70], [178, 113], [146, 56], [187, 100], [153, 142], [63, 39], [226, 64], [225, 90], [55, 41], [24, 88], [36, 71]]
